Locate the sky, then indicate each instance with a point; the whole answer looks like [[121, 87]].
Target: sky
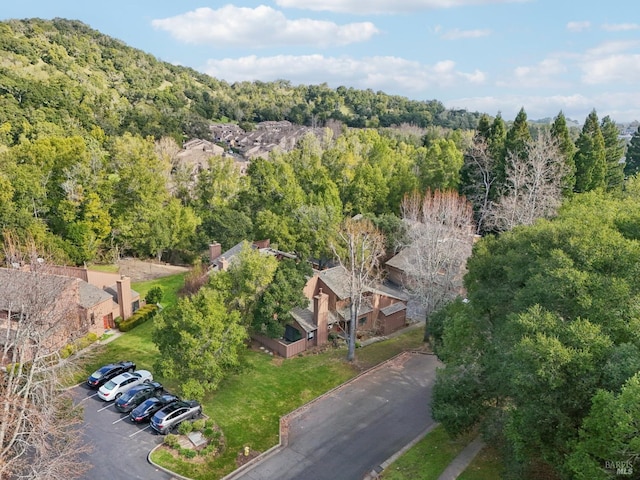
[[491, 56]]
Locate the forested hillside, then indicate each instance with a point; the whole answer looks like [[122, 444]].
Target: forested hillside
[[77, 78]]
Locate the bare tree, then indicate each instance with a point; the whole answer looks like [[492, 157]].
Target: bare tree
[[359, 248], [480, 172], [441, 233], [38, 424], [533, 187]]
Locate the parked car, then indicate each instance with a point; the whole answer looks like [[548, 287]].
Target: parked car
[[114, 388], [134, 397], [107, 372], [169, 417], [146, 410]]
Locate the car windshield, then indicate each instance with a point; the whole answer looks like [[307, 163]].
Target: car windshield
[[110, 385]]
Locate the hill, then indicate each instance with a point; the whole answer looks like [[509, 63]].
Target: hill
[[69, 76]]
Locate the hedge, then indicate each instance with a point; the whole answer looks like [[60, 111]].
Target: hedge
[[138, 318]]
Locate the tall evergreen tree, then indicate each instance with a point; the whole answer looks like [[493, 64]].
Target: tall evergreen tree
[[560, 133], [518, 136], [496, 144], [484, 126], [614, 151], [590, 158], [632, 164]]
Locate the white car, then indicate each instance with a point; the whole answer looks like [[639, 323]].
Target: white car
[[123, 382]]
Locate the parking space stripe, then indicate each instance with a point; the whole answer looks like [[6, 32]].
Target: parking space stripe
[[145, 428], [104, 408], [119, 420]]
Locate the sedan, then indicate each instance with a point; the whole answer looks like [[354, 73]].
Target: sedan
[[114, 388], [169, 417], [107, 372], [146, 410], [134, 397]]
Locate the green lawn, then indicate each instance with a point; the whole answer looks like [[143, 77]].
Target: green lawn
[[428, 458], [250, 402], [486, 466]]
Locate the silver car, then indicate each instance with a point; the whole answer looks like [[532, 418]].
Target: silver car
[[169, 417]]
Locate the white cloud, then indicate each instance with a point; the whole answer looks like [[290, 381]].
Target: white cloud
[[543, 74], [611, 62], [259, 27], [620, 27], [389, 74], [578, 26], [456, 34], [383, 6]]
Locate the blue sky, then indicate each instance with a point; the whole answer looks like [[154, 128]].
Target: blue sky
[[486, 55]]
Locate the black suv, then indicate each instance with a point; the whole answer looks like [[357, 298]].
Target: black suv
[[134, 397], [106, 373], [144, 411]]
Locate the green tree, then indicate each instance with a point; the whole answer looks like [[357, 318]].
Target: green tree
[[560, 132], [518, 136], [614, 151], [440, 166], [591, 156], [199, 342], [632, 159], [284, 293], [609, 443], [249, 274], [551, 318]]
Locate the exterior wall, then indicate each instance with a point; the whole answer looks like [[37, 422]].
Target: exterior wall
[[282, 349], [321, 314], [102, 279], [395, 275], [96, 323], [393, 322]]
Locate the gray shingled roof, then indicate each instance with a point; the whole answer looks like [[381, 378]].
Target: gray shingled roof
[[19, 288], [393, 308], [91, 295]]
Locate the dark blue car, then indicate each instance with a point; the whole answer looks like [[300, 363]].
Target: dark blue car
[[134, 397], [144, 411], [107, 372]]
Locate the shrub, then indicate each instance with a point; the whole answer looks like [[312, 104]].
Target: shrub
[[187, 452], [198, 425], [211, 448], [138, 318], [171, 440], [117, 321], [79, 344], [185, 427], [154, 295], [209, 423]]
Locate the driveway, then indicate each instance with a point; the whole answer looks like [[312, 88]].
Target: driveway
[[352, 430], [120, 448]]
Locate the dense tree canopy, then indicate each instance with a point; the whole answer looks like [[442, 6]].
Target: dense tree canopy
[[551, 319]]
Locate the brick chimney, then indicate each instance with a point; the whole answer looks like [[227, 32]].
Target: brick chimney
[[223, 264], [321, 317], [215, 250], [124, 296]]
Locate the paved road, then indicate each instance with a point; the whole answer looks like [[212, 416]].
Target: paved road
[[350, 432], [120, 448]]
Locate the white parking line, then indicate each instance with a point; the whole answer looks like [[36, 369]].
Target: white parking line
[[119, 420], [145, 428], [104, 408], [90, 396]]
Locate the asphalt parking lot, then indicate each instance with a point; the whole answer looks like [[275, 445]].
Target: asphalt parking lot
[[120, 447]]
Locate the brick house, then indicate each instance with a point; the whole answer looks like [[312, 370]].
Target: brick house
[[65, 300], [384, 310]]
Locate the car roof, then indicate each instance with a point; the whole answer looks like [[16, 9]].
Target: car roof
[[122, 377]]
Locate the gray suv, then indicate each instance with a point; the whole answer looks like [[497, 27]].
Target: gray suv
[[169, 417]]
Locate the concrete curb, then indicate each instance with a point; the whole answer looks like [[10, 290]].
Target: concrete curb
[[165, 470], [375, 473], [286, 419]]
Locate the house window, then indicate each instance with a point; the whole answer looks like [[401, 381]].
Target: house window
[[93, 318], [310, 335], [362, 321], [135, 306]]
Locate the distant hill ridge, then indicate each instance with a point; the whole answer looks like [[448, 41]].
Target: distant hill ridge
[[66, 75]]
